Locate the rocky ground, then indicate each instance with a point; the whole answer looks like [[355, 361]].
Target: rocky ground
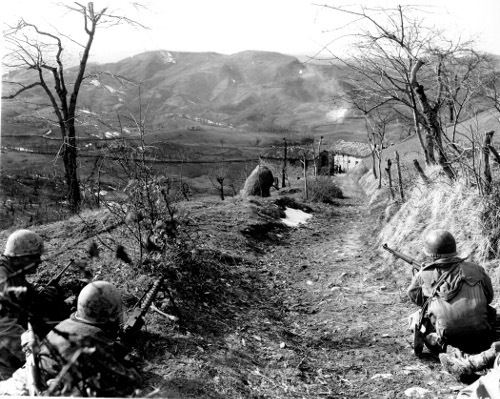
[[323, 316]]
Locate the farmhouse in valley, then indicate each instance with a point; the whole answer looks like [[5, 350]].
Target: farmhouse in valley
[[339, 157]]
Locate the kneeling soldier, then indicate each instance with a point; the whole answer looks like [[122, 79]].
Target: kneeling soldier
[[454, 295], [22, 256], [81, 356]]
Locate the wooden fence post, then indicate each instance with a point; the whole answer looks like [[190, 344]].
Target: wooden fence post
[[486, 158], [425, 179], [304, 162], [388, 170], [495, 154], [283, 179], [401, 191]]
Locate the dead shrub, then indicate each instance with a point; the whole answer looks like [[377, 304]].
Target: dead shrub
[[324, 190], [490, 218]]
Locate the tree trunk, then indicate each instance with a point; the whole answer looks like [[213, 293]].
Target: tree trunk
[[495, 154], [425, 146], [69, 155], [418, 90], [433, 131], [421, 173], [374, 169], [379, 157]]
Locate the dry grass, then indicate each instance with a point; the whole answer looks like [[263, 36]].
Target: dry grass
[[440, 205]]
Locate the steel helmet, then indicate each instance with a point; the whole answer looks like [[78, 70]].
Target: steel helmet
[[440, 244], [99, 302], [23, 243]]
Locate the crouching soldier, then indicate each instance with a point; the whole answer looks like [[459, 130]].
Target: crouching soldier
[[21, 257], [81, 355], [454, 295]]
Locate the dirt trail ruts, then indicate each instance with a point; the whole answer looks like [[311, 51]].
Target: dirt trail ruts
[[349, 307]]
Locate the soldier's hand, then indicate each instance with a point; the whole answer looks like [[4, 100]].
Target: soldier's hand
[[49, 294], [28, 339]]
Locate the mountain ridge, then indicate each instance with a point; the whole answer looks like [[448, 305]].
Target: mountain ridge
[[252, 89]]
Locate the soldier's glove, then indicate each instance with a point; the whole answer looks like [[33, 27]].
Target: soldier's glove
[[414, 319], [47, 294]]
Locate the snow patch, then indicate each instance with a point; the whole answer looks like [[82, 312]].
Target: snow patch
[[294, 217], [21, 149], [166, 57], [95, 82], [110, 135], [113, 90], [336, 114]]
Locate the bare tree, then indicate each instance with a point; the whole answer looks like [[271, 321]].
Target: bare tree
[[376, 125], [30, 47], [490, 84], [400, 63], [219, 173]]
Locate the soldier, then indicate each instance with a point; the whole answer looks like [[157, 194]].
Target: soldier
[[22, 256], [454, 295], [84, 346]]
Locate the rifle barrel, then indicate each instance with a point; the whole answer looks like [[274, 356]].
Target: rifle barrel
[[59, 275], [406, 258], [152, 294]]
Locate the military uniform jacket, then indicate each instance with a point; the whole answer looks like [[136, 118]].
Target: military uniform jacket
[[11, 354], [459, 306]]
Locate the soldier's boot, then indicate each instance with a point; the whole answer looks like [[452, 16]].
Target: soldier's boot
[[458, 367], [484, 359], [462, 365]]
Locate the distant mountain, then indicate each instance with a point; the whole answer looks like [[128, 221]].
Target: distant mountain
[[254, 89]]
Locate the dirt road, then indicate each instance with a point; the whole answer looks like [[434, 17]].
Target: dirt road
[[306, 312], [347, 309]]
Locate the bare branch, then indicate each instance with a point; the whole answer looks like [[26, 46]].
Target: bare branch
[[23, 88]]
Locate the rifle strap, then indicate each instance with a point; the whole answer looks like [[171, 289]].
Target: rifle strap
[[438, 284]]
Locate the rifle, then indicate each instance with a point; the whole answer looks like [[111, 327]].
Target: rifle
[[30, 343], [136, 319], [54, 280], [408, 259]]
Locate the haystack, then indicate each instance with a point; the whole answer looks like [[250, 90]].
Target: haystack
[[259, 183]]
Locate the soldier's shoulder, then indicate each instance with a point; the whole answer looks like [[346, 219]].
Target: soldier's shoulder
[[472, 267]]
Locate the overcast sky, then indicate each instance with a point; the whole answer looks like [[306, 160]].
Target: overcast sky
[[230, 26]]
